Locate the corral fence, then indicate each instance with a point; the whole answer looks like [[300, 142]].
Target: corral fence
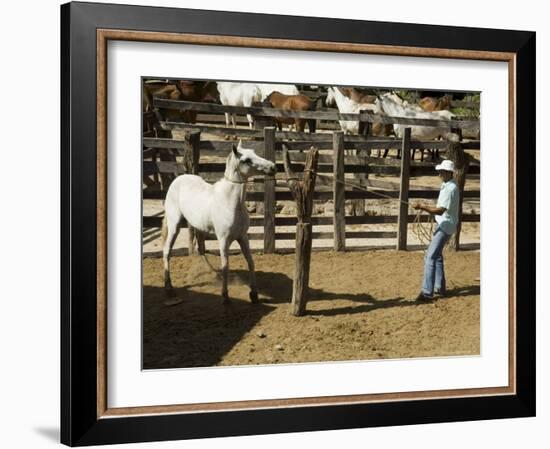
[[347, 158]]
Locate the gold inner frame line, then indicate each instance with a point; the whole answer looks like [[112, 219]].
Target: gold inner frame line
[[103, 36]]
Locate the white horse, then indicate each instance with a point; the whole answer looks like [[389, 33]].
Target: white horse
[[347, 105], [287, 89], [404, 103], [238, 94], [389, 105], [215, 208]]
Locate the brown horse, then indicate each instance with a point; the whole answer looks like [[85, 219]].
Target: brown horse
[[292, 103], [357, 95], [201, 91], [431, 104], [377, 129]]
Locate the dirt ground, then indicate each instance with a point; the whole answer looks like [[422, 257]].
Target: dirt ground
[[361, 307]]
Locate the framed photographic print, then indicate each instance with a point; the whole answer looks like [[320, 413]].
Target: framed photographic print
[[279, 224]]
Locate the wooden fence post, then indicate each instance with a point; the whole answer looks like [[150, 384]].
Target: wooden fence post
[[339, 215], [302, 191], [168, 155], [402, 221], [360, 179], [269, 193], [319, 104], [191, 158], [455, 153]]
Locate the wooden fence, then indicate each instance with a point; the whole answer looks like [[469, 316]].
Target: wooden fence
[[196, 155]]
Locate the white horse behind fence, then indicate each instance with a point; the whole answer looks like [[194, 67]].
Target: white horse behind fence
[[245, 94], [347, 106], [238, 94], [215, 209], [391, 105]]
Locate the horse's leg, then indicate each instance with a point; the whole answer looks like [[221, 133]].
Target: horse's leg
[[224, 258], [200, 236], [250, 121], [245, 248], [170, 230], [226, 137]]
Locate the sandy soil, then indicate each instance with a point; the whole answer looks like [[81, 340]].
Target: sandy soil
[[361, 307]]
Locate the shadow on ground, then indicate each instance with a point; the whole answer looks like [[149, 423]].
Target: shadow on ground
[[200, 330], [196, 332]]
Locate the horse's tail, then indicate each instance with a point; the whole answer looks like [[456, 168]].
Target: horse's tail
[[164, 230]]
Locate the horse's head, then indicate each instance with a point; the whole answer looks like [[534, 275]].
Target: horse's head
[[248, 163], [271, 95], [209, 92], [378, 106], [389, 103], [331, 99]]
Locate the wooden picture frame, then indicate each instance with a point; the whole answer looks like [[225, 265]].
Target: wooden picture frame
[[86, 29]]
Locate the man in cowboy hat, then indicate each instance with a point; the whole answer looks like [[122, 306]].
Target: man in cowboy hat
[[446, 216]]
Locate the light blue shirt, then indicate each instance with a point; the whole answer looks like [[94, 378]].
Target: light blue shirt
[[448, 198]]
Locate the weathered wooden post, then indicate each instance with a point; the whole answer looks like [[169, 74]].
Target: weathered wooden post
[[402, 221], [360, 179], [318, 107], [269, 193], [168, 155], [260, 123], [302, 191], [339, 214], [191, 158], [455, 153]]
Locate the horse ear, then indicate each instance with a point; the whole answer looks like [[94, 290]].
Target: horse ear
[[240, 143], [234, 149]]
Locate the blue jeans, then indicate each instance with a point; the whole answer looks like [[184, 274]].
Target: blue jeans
[[434, 274]]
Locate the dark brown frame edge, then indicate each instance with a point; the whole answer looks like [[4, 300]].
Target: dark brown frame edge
[[81, 422]]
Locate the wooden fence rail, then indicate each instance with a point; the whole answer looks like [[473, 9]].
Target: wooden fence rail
[[328, 195], [152, 167], [319, 115], [350, 142], [150, 222]]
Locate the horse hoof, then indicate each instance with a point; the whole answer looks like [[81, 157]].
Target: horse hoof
[[253, 297]]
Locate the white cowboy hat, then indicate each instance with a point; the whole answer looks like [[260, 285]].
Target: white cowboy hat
[[446, 165]]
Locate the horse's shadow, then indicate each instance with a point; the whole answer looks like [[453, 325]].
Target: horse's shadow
[[198, 331]]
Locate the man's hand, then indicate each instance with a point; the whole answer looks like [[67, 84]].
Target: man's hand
[[429, 209]]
